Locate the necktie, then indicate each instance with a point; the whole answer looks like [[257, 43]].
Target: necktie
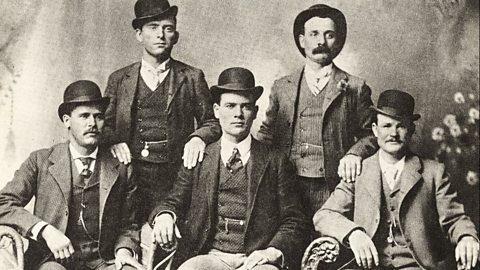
[[234, 163], [86, 172]]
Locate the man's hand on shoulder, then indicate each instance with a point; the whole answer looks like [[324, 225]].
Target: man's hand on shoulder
[[121, 152], [467, 252], [350, 167], [365, 252], [270, 255], [193, 152], [58, 243], [124, 256]]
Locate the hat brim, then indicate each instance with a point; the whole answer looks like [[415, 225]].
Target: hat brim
[[413, 117], [65, 107], [218, 90], [335, 14], [138, 23]]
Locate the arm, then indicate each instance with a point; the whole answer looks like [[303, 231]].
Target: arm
[[109, 131], [265, 131]]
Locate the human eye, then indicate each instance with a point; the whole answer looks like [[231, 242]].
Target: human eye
[[169, 28], [330, 35]]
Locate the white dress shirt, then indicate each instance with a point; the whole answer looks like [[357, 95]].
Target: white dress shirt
[[317, 80], [226, 149], [153, 77], [391, 171]]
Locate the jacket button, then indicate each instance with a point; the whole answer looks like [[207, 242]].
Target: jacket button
[[66, 213], [141, 130], [321, 169]]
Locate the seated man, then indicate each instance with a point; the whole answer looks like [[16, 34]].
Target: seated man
[[405, 213], [238, 209], [84, 209]]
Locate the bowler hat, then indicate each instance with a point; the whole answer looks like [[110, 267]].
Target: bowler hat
[[236, 79], [148, 10], [322, 11], [396, 104], [80, 93]]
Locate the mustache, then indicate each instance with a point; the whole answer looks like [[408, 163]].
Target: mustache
[[321, 49], [395, 140], [94, 130]]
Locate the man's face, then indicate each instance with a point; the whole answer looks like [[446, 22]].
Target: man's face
[[158, 37], [85, 124], [235, 114], [319, 40], [393, 135]]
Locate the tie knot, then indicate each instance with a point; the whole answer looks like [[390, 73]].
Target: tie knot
[[234, 162], [86, 166]]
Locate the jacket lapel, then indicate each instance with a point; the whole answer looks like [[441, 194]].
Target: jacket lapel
[[410, 175], [61, 170], [108, 176], [129, 87], [332, 91], [292, 92], [177, 79], [371, 179], [210, 174], [259, 159]]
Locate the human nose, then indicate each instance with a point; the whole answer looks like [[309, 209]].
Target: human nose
[[320, 40], [237, 111], [91, 121], [160, 33]]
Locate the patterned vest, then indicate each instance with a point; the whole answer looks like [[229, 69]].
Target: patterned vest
[[149, 119], [307, 148], [232, 210]]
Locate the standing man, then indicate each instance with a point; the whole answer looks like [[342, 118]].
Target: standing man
[[406, 214], [239, 208], [155, 106], [318, 113], [85, 199]]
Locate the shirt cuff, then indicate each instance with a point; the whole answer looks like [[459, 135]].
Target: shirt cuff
[[37, 229], [281, 259]]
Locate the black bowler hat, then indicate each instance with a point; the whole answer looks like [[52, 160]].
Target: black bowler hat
[[236, 79], [322, 11], [396, 104], [81, 93], [148, 10]]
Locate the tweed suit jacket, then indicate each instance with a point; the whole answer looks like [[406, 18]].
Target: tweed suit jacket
[[189, 106], [431, 218], [346, 118], [274, 215], [46, 175]]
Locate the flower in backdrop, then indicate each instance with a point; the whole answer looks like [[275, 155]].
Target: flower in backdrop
[[472, 178], [438, 134], [459, 98], [473, 113], [455, 131], [342, 85], [450, 120]]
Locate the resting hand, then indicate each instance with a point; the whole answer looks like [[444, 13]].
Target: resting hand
[[350, 167], [164, 229], [124, 256], [366, 254], [258, 257], [466, 252], [193, 152], [122, 152], [58, 243]]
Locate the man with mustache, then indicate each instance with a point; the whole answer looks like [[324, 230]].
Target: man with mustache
[[402, 212], [159, 107], [239, 208], [319, 114], [85, 199]]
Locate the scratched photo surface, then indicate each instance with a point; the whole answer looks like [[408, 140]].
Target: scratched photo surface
[[429, 48]]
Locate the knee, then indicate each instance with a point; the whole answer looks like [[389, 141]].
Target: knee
[[52, 266]]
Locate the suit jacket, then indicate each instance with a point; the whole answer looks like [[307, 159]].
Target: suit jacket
[[431, 218], [274, 215], [46, 174], [189, 105], [346, 118]]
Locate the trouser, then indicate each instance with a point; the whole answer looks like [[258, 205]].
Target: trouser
[[155, 181], [314, 192], [218, 260]]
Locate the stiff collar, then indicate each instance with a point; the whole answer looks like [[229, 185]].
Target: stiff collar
[[226, 149], [165, 65], [385, 166]]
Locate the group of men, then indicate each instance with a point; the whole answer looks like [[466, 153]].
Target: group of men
[[325, 161]]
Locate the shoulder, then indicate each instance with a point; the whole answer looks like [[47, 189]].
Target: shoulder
[[121, 72], [353, 81], [186, 68], [432, 168]]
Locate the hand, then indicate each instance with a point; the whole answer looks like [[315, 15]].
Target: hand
[[122, 152], [164, 229], [259, 257], [350, 167], [193, 152], [58, 243], [366, 254], [466, 252], [124, 256]]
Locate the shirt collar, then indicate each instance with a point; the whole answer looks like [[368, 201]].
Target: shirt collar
[[322, 73], [165, 65], [384, 165], [75, 154], [243, 146]]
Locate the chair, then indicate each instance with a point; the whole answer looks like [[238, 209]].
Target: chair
[[324, 254], [11, 249]]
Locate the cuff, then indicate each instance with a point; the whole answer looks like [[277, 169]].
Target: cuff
[[37, 229]]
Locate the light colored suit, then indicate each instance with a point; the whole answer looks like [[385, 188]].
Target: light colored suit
[[431, 218], [46, 174]]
